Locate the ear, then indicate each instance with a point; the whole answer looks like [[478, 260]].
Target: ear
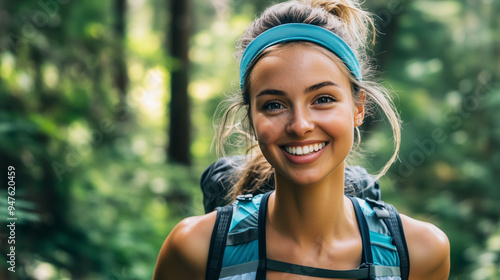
[[359, 109]]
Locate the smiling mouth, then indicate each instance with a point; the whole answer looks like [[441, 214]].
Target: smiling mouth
[[304, 150]]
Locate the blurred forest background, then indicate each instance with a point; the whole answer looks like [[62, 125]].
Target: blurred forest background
[[106, 112]]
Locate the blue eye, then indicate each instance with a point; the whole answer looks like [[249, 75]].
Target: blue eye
[[272, 106], [324, 100]]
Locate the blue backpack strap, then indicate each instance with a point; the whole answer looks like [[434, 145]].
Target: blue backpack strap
[[396, 228], [218, 242], [392, 220], [365, 232], [261, 270]]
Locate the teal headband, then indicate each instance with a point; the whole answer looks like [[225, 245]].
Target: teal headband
[[299, 32]]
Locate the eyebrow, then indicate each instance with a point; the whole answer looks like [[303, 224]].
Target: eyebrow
[[308, 89], [321, 85], [271, 92]]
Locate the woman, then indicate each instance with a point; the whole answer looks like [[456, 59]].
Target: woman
[[304, 88]]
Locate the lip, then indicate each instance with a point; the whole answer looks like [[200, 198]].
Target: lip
[[303, 159]]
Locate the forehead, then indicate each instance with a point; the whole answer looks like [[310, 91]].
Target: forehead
[[298, 64]]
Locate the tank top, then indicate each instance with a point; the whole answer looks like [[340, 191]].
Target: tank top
[[241, 254]]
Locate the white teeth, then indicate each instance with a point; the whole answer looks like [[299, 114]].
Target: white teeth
[[305, 150]]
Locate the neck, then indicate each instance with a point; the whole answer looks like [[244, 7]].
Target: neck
[[310, 213]]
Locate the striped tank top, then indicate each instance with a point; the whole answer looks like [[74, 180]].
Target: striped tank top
[[241, 261]]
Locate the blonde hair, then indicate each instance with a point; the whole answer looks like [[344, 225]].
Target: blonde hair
[[344, 18]]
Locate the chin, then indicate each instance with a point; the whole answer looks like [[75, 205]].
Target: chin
[[312, 176], [301, 179]]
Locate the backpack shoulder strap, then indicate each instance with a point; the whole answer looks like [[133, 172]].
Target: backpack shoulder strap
[[367, 257], [388, 213], [218, 242], [396, 228]]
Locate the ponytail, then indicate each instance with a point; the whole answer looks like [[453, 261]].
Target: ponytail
[[254, 177], [350, 13]]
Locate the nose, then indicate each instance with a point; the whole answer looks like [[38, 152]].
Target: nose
[[300, 122]]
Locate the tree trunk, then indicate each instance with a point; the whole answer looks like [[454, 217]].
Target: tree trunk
[[120, 65], [387, 22], [180, 124], [388, 18]]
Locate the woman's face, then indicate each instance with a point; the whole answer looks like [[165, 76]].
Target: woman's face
[[303, 113]]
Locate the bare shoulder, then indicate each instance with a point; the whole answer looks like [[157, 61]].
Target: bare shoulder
[[185, 251], [428, 248]]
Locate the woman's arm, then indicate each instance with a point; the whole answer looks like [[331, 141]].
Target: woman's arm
[[429, 250], [185, 251]]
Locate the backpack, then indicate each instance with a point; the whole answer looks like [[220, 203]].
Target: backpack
[[215, 182], [214, 185]]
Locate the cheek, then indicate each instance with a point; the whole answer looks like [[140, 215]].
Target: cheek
[[264, 138], [266, 130], [337, 124]]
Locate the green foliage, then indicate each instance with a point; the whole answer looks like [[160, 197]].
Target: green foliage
[[447, 84]]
